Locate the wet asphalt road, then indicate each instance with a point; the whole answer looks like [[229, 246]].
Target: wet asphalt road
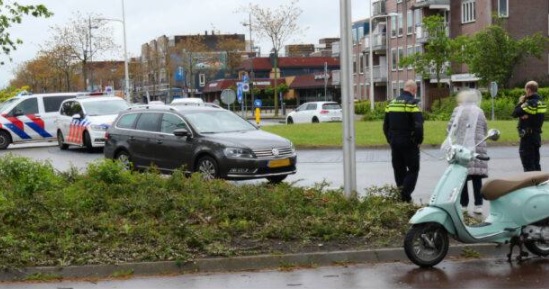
[[488, 273]]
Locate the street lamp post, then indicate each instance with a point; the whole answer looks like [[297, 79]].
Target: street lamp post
[[252, 55], [371, 56], [126, 74]]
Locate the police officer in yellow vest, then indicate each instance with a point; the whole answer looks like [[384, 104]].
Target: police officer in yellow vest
[[403, 129], [530, 113]]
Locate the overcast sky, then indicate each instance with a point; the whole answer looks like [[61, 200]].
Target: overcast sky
[[149, 19]]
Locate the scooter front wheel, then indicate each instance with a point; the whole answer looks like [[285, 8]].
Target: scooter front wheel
[[537, 247], [426, 244]]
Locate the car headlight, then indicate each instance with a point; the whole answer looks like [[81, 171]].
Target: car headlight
[[103, 127], [238, 153], [292, 147]]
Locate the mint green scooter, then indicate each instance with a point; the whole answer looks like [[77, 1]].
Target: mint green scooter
[[519, 212]]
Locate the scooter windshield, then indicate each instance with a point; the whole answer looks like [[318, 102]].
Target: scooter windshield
[[462, 126]]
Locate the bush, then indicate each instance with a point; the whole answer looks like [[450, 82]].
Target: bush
[[111, 215]]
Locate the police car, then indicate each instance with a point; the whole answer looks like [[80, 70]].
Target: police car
[[30, 117], [83, 121]]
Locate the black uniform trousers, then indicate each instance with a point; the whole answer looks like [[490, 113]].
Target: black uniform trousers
[[405, 160], [529, 152]]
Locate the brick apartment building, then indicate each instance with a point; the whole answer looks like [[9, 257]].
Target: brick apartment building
[[397, 31]]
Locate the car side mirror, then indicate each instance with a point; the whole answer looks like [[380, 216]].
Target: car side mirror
[[17, 112], [181, 132], [76, 116]]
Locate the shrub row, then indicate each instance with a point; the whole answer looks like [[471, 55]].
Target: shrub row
[[109, 215], [504, 104]]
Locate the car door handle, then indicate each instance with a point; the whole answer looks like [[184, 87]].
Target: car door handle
[[132, 138], [159, 141]]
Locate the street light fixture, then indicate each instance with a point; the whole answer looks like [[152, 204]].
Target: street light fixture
[[126, 75], [371, 56]]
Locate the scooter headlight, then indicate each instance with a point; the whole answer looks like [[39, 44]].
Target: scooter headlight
[[450, 154]]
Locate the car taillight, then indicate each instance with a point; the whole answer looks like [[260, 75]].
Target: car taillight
[[107, 136], [324, 111]]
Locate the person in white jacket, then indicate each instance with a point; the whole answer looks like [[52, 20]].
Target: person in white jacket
[[468, 105]]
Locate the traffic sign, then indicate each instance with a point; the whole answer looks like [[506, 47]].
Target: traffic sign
[[245, 78], [228, 96], [246, 87], [257, 102]]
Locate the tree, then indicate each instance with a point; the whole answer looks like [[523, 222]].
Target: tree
[[278, 25], [440, 49], [85, 37], [13, 14], [492, 54]]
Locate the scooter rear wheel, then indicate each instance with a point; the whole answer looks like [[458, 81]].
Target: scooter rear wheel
[[426, 244], [537, 247]]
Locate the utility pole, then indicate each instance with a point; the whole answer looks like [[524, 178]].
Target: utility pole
[[252, 56]]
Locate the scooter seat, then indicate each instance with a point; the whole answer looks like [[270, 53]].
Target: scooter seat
[[495, 188]]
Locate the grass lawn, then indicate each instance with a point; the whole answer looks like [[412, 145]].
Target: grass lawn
[[370, 133]]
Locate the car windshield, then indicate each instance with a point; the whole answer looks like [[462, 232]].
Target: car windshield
[[331, 106], [217, 121], [7, 103], [104, 107]]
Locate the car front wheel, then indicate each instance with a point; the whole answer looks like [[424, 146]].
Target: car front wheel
[[290, 120], [5, 139], [276, 179], [207, 166], [315, 120]]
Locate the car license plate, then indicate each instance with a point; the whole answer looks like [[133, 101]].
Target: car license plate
[[279, 163]]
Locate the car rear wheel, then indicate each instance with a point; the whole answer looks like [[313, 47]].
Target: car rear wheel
[[207, 166], [5, 139], [87, 141], [123, 157], [315, 120], [276, 179], [290, 120], [61, 141]]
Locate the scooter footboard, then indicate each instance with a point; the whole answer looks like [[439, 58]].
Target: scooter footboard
[[433, 215]]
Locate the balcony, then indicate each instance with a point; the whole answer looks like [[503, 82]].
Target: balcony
[[422, 36], [379, 73], [433, 4], [379, 43], [378, 8]]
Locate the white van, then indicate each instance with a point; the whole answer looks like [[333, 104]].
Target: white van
[[30, 118]]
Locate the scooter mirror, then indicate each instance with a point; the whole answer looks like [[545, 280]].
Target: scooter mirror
[[493, 134]]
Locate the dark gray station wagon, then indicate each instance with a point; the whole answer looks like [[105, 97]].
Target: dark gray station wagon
[[215, 142]]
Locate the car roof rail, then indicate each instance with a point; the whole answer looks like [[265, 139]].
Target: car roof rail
[[148, 106]]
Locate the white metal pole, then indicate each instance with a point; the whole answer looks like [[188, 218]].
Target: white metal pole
[[371, 59], [126, 75], [349, 160]]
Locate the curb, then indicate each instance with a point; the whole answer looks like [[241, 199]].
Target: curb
[[245, 263]]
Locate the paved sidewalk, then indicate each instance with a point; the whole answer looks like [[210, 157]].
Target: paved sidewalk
[[246, 263]]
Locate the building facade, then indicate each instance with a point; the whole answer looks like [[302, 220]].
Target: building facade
[[397, 31]]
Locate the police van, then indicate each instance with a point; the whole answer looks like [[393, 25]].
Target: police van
[[31, 117]]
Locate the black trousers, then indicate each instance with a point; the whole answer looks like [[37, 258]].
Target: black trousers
[[405, 160], [477, 185], [529, 152]]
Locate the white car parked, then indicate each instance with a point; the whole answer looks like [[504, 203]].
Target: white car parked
[[314, 112], [84, 121]]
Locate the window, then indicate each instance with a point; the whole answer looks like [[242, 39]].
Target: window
[[503, 8], [394, 59], [418, 17], [127, 121], [394, 89], [410, 51], [410, 22], [27, 106], [311, 106], [148, 122], [393, 26], [66, 108], [400, 24], [400, 56], [468, 11], [171, 122], [51, 104]]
